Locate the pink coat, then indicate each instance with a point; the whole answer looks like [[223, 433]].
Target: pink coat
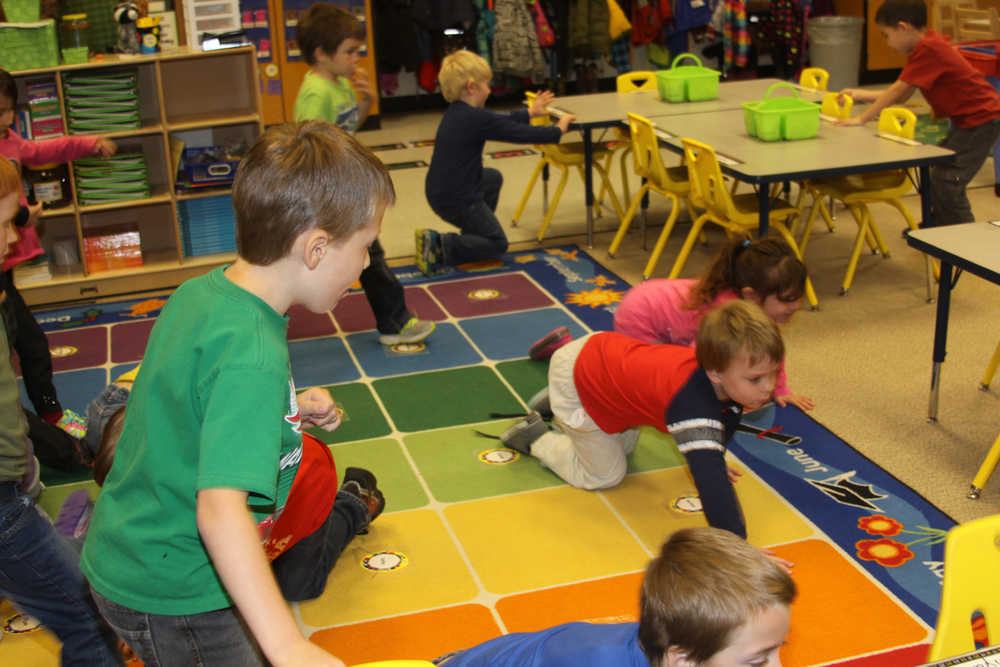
[[32, 153], [654, 312]]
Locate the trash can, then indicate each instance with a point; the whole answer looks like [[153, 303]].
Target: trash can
[[835, 45]]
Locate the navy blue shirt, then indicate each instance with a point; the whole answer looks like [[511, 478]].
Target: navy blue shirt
[[457, 163]]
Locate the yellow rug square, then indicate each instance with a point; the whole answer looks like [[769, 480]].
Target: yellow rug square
[[532, 540], [655, 504], [408, 562]]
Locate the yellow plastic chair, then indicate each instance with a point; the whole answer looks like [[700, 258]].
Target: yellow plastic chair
[[629, 82], [991, 369], [971, 563], [671, 182], [858, 191], [737, 214], [562, 156], [814, 77]]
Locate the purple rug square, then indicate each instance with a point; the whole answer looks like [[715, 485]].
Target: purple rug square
[[79, 348], [303, 323], [128, 341], [353, 313], [490, 295]]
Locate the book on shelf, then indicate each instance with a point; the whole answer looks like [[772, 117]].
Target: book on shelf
[[35, 270]]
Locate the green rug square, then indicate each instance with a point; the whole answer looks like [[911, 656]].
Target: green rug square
[[385, 458], [444, 398], [361, 416], [525, 376], [457, 464], [655, 451]]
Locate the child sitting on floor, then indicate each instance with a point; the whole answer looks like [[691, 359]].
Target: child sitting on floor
[[459, 189], [604, 386], [765, 271], [708, 599]]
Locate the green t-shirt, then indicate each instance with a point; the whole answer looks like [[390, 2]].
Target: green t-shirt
[[214, 407], [13, 446], [323, 99]]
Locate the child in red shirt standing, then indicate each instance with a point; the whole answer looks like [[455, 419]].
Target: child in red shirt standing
[[953, 88]]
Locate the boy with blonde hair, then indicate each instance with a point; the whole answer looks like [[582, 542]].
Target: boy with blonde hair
[[604, 386], [458, 188], [213, 426], [953, 88], [338, 90], [709, 599]]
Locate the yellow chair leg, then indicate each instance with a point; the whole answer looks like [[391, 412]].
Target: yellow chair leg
[[859, 240], [810, 221], [604, 186], [627, 220], [555, 202], [688, 244], [991, 369], [675, 206], [527, 192], [626, 191], [985, 470], [611, 192]]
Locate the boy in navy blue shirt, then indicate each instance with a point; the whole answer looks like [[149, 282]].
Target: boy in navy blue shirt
[[459, 189]]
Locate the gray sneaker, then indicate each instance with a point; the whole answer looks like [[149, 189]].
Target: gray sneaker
[[521, 435], [414, 331], [540, 403]]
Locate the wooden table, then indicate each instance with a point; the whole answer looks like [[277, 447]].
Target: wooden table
[[973, 247], [834, 151], [604, 110]]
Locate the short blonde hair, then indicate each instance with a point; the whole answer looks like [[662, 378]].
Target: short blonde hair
[[705, 584], [734, 328], [460, 68], [10, 178]]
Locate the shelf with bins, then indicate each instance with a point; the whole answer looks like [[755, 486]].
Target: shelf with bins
[[201, 98]]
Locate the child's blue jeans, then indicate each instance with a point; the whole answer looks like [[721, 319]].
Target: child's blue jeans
[[482, 235], [39, 572]]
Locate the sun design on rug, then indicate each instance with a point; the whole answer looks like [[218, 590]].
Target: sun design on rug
[[601, 281], [880, 525], [483, 294], [594, 298], [60, 351], [569, 255], [885, 552], [524, 259]]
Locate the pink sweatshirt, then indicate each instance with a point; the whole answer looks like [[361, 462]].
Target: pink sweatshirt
[[655, 311], [32, 153]]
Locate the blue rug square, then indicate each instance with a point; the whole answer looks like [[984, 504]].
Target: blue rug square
[[446, 348], [321, 361], [511, 336]]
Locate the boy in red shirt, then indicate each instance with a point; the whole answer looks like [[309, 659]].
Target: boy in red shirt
[[603, 387], [953, 88]]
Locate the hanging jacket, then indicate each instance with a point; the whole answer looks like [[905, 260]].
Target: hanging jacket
[[515, 42], [588, 27]]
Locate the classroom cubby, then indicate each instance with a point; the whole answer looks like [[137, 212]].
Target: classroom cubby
[[204, 99]]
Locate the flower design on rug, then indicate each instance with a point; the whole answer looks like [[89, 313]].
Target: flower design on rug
[[885, 552], [594, 298], [880, 525]]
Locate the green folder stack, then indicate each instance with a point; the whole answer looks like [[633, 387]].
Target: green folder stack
[[100, 180], [102, 102]]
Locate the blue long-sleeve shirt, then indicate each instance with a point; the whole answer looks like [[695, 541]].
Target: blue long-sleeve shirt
[[457, 163]]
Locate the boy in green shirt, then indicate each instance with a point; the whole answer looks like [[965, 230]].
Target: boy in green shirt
[[213, 427], [335, 89]]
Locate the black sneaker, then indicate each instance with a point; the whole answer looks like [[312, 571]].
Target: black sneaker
[[540, 403], [523, 434], [361, 483]]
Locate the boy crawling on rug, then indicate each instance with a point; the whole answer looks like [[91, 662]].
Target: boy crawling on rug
[[709, 599]]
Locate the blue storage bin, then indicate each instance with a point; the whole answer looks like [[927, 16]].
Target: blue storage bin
[[208, 225]]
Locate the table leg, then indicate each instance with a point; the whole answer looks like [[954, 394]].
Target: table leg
[[764, 207], [940, 338], [588, 183], [925, 195]]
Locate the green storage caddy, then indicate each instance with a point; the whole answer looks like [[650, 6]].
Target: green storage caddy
[[788, 118], [689, 83], [28, 45]]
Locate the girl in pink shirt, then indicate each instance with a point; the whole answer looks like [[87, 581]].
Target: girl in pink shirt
[[765, 271]]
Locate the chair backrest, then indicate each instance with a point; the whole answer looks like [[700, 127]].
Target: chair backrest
[[647, 160], [708, 189], [638, 80], [976, 24], [833, 108], [544, 119], [898, 121], [971, 564], [814, 77]]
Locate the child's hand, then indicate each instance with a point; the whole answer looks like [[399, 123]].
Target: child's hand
[[786, 565], [34, 214], [362, 83], [540, 106], [564, 122], [105, 147], [848, 93], [801, 402], [306, 653], [733, 474], [317, 408]]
